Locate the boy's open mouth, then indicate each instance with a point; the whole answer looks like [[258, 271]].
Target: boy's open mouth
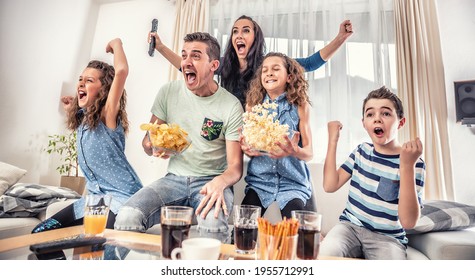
[[378, 131]]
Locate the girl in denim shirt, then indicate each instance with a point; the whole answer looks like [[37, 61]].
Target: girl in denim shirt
[[98, 115], [281, 176]]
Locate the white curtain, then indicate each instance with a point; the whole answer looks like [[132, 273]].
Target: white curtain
[[191, 16], [302, 27]]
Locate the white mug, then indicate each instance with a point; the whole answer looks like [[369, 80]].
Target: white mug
[[200, 248]]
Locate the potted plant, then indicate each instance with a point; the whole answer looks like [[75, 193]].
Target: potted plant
[[65, 146]]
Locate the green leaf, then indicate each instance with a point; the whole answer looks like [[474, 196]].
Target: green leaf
[[65, 147]]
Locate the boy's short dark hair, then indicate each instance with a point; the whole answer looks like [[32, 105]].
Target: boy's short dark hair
[[384, 93], [213, 50]]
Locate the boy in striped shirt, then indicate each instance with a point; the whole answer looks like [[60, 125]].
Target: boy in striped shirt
[[387, 178]]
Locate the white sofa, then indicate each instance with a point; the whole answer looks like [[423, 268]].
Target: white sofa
[[11, 227], [23, 206], [456, 244]]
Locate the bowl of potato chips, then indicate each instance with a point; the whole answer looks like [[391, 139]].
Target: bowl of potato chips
[[167, 139], [261, 131]]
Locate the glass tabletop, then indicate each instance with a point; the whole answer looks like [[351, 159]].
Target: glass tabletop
[[113, 249]]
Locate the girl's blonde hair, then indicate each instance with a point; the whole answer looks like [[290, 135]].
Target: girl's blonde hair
[[296, 88], [92, 116]]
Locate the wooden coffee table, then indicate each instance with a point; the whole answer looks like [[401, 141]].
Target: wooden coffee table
[[148, 245], [18, 247]]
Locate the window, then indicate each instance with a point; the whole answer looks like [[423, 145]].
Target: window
[[299, 28]]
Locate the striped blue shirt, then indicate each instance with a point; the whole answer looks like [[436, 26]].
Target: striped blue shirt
[[374, 191], [282, 179]]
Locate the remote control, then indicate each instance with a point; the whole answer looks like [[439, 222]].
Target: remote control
[[67, 243], [151, 47]]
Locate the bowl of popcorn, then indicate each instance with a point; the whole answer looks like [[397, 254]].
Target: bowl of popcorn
[[261, 131], [166, 139]]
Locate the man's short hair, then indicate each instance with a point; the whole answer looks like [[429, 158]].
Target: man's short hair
[[384, 93], [213, 49]]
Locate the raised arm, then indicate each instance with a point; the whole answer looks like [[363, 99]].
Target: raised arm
[[121, 70], [409, 208], [67, 102], [333, 179], [345, 31], [319, 58], [172, 57]]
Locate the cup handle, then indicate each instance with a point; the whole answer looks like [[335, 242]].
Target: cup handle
[[175, 253]]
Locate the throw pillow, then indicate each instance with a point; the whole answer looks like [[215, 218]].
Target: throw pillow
[[443, 215], [9, 175]]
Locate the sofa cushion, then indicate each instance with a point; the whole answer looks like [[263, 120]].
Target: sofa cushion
[[441, 215], [413, 254], [27, 200], [9, 175], [11, 227], [445, 245]]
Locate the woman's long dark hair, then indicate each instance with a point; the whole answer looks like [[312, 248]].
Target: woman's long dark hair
[[231, 77]]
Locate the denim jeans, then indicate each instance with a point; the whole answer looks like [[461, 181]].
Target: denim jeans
[[142, 210], [348, 240]]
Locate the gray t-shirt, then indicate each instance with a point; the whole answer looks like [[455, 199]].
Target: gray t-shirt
[[209, 121]]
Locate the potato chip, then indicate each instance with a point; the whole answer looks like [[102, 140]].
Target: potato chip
[[170, 139]]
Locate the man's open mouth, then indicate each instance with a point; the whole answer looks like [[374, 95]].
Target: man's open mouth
[[190, 76]]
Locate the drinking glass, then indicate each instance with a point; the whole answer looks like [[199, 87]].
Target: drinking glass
[[310, 225], [245, 228], [277, 247], [96, 213], [175, 225]]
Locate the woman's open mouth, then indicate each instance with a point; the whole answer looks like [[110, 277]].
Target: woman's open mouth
[[241, 47]]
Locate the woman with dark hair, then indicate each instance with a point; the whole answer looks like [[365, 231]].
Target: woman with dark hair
[[243, 56], [245, 51]]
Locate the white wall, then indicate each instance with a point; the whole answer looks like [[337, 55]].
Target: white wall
[[46, 44], [457, 25], [131, 21], [42, 44]]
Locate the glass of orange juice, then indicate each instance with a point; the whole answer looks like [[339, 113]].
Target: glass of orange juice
[[96, 213]]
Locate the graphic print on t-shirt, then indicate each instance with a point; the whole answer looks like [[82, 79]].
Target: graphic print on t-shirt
[[211, 129]]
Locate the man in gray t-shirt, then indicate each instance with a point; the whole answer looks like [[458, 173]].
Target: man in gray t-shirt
[[201, 176]]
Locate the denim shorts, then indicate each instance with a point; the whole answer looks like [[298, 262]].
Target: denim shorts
[[142, 210]]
